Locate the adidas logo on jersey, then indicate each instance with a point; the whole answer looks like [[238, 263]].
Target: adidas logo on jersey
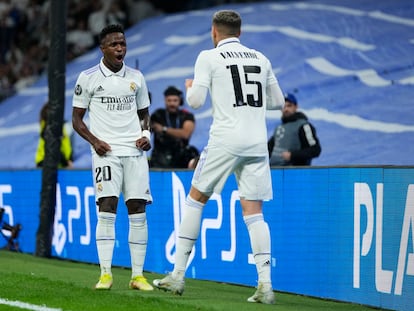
[[100, 89]]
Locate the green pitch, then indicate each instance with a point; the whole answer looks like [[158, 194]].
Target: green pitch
[[53, 284]]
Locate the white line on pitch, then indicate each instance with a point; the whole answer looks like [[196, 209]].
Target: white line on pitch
[[27, 306]]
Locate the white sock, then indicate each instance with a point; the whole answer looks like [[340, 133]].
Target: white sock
[[105, 240], [137, 238], [260, 242], [187, 236]]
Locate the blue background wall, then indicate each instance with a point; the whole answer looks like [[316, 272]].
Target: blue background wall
[[339, 233]]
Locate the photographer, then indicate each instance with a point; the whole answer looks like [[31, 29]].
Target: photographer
[[172, 129]]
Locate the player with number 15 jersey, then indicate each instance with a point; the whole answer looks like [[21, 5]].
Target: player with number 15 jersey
[[242, 86]]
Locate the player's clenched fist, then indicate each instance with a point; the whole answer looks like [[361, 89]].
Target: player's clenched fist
[[143, 143]]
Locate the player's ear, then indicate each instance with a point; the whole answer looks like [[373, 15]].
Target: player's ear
[[213, 32]]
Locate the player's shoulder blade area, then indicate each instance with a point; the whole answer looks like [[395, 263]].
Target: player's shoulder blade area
[[91, 70]]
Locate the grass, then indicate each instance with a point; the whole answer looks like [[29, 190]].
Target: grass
[[67, 285]]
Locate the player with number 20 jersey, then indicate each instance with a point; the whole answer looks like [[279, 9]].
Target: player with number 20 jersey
[[111, 97]]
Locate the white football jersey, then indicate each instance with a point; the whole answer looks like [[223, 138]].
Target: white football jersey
[[237, 78], [112, 100]]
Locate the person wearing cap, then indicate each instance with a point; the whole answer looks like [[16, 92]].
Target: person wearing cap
[[172, 127], [294, 141]]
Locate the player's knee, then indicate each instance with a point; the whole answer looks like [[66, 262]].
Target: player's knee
[[136, 206], [199, 196], [108, 204]]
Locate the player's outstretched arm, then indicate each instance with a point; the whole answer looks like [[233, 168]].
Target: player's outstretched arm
[[196, 96], [274, 97]]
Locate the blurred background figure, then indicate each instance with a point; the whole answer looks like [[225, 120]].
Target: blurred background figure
[[172, 127], [66, 160], [294, 141], [139, 10]]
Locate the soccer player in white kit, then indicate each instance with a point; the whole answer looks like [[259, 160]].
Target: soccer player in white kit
[[116, 97], [242, 86]]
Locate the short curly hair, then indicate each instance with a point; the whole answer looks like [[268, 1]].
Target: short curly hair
[[110, 29], [228, 22]]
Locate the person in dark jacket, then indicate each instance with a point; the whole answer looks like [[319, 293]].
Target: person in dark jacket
[[172, 127], [294, 141]]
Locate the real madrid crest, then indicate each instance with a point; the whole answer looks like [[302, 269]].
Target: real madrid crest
[[133, 87]]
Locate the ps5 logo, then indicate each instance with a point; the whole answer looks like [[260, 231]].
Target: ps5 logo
[[372, 237], [74, 217], [216, 223]]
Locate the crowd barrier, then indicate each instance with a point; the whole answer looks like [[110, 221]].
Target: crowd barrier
[[343, 233]]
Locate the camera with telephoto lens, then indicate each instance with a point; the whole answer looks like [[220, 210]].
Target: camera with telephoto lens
[[12, 243]]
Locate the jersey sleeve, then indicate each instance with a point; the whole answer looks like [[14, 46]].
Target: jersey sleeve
[[81, 96], [142, 95], [202, 70], [196, 95], [274, 95]]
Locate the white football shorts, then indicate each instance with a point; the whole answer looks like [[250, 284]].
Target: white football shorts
[[114, 174], [252, 174]]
